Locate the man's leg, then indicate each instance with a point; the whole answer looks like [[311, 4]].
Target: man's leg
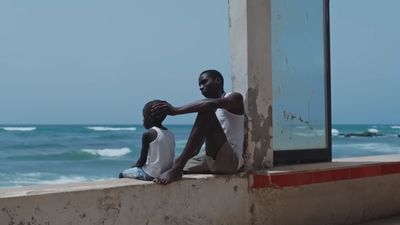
[[206, 128]]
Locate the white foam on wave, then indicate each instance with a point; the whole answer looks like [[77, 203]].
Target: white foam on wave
[[35, 178], [376, 147], [19, 128], [112, 128], [395, 127], [372, 130], [108, 152], [335, 132]]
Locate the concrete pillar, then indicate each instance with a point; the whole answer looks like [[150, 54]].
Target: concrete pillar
[[250, 33]]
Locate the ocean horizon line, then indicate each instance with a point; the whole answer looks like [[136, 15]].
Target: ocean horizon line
[[139, 124], [85, 124]]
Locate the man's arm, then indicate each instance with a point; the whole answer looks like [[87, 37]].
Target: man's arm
[[147, 137], [232, 103]]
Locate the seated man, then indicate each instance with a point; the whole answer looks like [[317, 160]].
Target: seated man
[[219, 124]]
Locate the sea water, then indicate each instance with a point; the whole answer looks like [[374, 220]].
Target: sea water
[[55, 154]]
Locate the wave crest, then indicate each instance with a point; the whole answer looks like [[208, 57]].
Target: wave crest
[[335, 132], [35, 178], [108, 152], [112, 128], [19, 128], [373, 130]]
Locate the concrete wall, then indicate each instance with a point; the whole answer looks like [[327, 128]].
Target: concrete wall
[[331, 203], [201, 199], [219, 201]]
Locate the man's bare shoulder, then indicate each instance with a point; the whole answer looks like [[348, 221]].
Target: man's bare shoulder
[[236, 96]]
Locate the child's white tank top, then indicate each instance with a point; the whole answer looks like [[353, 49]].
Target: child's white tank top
[[161, 153]]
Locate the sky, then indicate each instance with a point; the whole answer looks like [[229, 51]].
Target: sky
[[99, 61], [365, 54]]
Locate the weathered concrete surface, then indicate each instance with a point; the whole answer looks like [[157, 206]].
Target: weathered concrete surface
[[250, 32], [332, 203], [204, 200], [388, 221], [207, 199]]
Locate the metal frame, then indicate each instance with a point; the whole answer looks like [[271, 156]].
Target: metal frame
[[315, 155]]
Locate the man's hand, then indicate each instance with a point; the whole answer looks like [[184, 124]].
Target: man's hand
[[161, 109]]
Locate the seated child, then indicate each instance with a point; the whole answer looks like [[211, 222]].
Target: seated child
[[158, 148]]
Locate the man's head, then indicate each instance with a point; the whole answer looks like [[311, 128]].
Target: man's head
[[149, 120], [211, 83]]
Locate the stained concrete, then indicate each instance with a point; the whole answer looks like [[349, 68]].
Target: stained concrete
[[205, 199], [387, 221], [252, 75], [332, 203]]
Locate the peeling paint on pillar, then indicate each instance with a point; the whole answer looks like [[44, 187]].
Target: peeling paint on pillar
[[259, 147], [252, 75]]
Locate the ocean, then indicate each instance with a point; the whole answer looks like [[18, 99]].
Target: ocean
[[55, 154]]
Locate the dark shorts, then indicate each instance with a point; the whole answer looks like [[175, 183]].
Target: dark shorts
[[226, 162]]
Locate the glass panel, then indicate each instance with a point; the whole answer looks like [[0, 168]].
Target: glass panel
[[298, 71]]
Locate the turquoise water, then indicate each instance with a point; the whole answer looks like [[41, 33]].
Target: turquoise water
[[388, 143], [59, 154]]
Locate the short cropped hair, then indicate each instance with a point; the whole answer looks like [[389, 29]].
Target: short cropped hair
[[147, 109], [214, 74]]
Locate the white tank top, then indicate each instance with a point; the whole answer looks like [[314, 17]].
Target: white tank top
[[233, 126], [161, 153]]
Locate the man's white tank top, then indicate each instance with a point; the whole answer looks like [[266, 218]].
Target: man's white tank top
[[161, 153], [233, 126]]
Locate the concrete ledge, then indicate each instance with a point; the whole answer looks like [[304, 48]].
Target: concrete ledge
[[84, 186], [388, 221], [341, 169], [303, 194], [195, 200], [347, 191]]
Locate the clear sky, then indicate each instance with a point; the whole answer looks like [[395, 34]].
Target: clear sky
[[365, 52], [99, 61]]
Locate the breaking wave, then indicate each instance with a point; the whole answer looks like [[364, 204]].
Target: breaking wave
[[108, 152], [375, 147], [335, 132], [75, 155], [35, 178], [19, 128], [112, 128]]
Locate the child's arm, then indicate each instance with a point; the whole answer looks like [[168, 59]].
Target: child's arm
[[147, 137]]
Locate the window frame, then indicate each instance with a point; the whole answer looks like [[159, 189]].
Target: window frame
[[283, 157]]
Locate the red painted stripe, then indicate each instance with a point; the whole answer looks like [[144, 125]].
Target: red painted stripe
[[390, 168], [329, 175], [367, 171]]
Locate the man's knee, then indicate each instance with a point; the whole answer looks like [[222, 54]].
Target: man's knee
[[206, 115]]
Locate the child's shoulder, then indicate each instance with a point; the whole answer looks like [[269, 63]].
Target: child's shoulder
[[149, 135]]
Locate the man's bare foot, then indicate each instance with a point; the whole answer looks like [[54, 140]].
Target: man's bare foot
[[171, 175]]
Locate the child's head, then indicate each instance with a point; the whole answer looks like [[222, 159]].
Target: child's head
[[148, 120]]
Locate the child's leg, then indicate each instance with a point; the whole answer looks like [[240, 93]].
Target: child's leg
[[136, 173]]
